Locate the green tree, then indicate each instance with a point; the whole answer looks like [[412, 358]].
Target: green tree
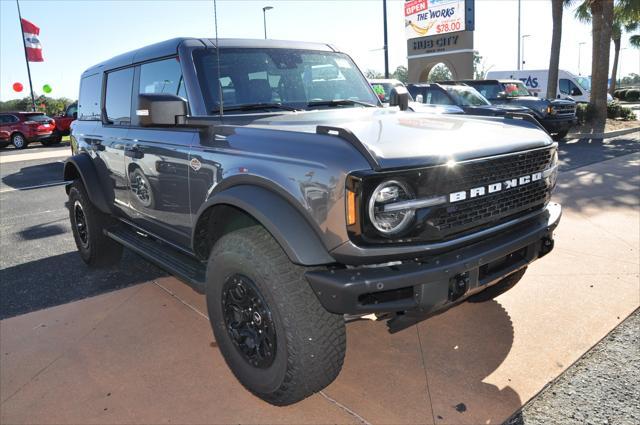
[[440, 72], [479, 67], [401, 73], [372, 74]]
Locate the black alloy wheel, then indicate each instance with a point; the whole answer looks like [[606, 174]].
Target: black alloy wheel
[[248, 321]]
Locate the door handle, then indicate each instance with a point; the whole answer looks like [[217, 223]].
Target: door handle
[[133, 152]]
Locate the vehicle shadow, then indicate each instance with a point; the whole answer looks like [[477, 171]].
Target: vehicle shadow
[[43, 230], [34, 175], [63, 278], [461, 348]]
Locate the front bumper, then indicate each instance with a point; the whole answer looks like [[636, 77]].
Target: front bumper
[[435, 283], [558, 125]]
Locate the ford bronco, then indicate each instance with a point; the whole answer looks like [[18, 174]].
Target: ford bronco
[[268, 176]]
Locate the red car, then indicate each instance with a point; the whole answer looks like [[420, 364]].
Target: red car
[[63, 122], [22, 128]]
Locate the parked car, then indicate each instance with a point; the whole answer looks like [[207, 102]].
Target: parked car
[[63, 123], [557, 116], [286, 192], [22, 128], [570, 86], [384, 89], [462, 96]]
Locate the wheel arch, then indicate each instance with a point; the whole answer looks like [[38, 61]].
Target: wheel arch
[[245, 205], [81, 167]]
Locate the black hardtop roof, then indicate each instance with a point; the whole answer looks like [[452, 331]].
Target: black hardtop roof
[[170, 47]]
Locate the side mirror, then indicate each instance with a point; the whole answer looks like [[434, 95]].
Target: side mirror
[[399, 97], [160, 109], [420, 98], [502, 95], [75, 115]]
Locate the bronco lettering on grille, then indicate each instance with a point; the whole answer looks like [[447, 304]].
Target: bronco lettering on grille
[[477, 192]]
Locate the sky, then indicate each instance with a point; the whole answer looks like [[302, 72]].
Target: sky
[[78, 34]]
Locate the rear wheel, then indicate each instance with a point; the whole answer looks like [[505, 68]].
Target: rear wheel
[[88, 225], [19, 141], [278, 340], [499, 288]]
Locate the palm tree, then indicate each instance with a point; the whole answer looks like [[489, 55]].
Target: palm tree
[[557, 7], [600, 14]]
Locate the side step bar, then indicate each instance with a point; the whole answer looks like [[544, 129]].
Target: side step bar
[[184, 267]]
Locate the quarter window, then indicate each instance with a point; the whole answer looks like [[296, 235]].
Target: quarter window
[[162, 76], [89, 101], [118, 99]]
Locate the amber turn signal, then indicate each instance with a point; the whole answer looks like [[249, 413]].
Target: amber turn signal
[[351, 208]]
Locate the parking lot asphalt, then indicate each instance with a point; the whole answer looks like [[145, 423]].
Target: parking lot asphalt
[[474, 364]]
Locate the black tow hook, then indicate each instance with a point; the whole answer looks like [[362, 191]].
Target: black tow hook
[[458, 286], [546, 247]]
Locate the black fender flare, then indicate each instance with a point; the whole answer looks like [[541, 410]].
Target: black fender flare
[[291, 230], [81, 166]]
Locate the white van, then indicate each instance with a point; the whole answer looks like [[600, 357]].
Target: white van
[[569, 85]]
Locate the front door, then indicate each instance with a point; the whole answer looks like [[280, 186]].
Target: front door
[[157, 161]]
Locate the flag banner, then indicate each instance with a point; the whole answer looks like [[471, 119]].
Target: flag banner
[[31, 41]]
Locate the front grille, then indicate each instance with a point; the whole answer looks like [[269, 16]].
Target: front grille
[[488, 210], [565, 109], [484, 210]]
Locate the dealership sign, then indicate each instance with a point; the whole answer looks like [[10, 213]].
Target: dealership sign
[[424, 18]]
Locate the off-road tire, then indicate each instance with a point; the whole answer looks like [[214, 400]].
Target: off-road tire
[[560, 136], [95, 248], [19, 141], [310, 341], [499, 288]]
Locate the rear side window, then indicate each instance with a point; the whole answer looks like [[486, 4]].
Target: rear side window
[[162, 76], [118, 96], [436, 97], [8, 119], [89, 102]]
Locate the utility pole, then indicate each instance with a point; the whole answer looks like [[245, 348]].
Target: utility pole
[[386, 48], [519, 1], [26, 59]]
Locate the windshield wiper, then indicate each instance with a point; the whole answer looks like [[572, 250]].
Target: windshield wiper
[[254, 106], [338, 102]]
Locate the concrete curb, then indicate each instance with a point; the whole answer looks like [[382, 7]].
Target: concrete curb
[[603, 135]]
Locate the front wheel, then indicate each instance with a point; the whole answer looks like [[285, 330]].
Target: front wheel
[[88, 225], [278, 340], [560, 136]]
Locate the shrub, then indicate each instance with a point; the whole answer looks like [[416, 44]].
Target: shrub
[[584, 112], [620, 94], [615, 110], [632, 95]]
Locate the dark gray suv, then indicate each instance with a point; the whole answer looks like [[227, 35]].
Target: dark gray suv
[[267, 175]]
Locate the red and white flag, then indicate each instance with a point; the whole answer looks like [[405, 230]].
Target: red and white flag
[[31, 41]]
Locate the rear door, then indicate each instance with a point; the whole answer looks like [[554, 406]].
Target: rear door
[[157, 160]]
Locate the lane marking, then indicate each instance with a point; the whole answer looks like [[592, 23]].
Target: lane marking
[[13, 189], [5, 159]]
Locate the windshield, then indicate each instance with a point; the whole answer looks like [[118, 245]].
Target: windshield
[[515, 89], [283, 78], [584, 82], [466, 96], [36, 117]]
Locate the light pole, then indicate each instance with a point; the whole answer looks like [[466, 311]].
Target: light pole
[[519, 35], [386, 48], [579, 50], [264, 19], [523, 37]]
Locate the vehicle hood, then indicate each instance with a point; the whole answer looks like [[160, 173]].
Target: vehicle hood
[[397, 139], [502, 108]]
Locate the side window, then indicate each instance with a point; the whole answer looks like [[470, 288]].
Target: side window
[[162, 76], [564, 86], [118, 98], [437, 97], [89, 101]]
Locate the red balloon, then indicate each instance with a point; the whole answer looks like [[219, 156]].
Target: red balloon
[[17, 87]]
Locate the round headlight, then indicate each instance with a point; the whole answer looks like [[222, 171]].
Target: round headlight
[[390, 222]]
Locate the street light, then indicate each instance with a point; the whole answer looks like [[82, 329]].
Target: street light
[[579, 50], [264, 18], [523, 37]]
